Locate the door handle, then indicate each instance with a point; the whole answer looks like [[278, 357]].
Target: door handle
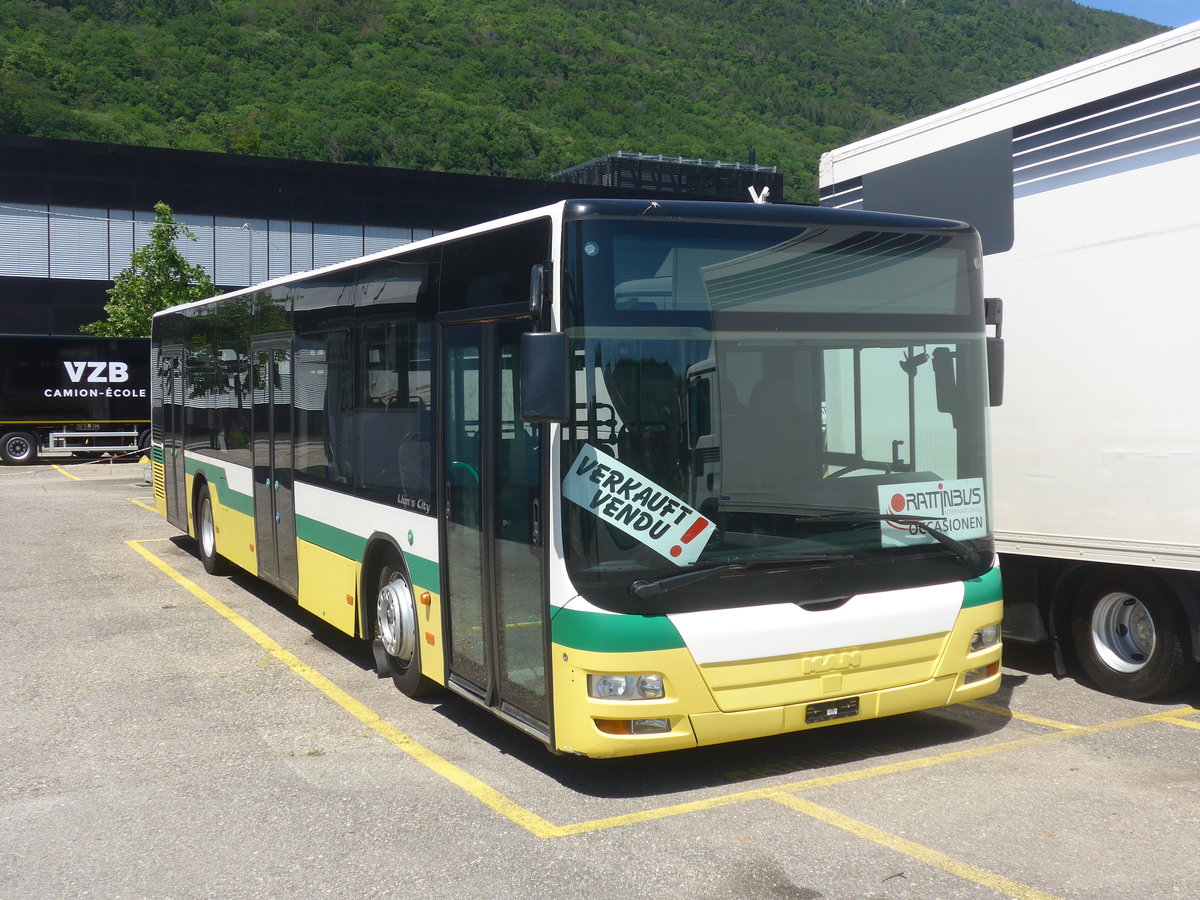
[[535, 532]]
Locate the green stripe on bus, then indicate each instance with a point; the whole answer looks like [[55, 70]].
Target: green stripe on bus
[[156, 454], [226, 496], [425, 573], [235, 500], [605, 633], [987, 588], [343, 543]]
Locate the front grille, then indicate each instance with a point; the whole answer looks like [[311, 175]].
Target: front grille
[[804, 678]]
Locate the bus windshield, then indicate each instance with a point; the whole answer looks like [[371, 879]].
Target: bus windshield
[[775, 404]]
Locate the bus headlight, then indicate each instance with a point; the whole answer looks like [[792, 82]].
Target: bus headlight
[[985, 637], [626, 687]]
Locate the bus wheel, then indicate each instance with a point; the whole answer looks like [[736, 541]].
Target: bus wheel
[[1130, 636], [18, 448], [396, 628], [206, 535]]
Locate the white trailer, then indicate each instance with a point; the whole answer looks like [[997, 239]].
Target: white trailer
[[1085, 185]]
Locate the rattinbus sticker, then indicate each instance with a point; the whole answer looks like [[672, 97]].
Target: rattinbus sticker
[[619, 495], [955, 508]]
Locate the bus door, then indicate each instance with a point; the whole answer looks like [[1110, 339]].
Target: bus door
[[274, 500], [491, 471], [170, 383]]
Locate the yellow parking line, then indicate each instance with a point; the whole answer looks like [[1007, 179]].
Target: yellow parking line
[[924, 854], [822, 781], [1186, 723], [61, 471], [1167, 715], [486, 794], [136, 502], [1020, 717], [666, 812]]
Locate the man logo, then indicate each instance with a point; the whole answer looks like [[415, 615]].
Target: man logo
[[834, 662]]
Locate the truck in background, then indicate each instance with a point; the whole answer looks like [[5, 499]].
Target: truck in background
[[1084, 184], [83, 395]]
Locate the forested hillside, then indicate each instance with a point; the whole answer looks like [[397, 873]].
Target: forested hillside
[[521, 88]]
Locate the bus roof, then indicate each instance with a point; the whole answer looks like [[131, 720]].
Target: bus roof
[[670, 210], [748, 213]]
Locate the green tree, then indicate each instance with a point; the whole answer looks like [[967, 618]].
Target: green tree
[[158, 276]]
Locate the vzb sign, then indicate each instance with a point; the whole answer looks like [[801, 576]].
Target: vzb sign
[[97, 372]]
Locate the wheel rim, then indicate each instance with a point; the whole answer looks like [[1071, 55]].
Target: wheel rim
[[397, 617], [208, 533], [1123, 632], [18, 448]]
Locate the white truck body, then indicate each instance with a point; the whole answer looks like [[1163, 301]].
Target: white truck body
[[1085, 185]]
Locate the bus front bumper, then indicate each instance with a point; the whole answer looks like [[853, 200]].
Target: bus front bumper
[[593, 738]]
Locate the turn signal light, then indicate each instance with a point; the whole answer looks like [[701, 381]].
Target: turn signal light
[[973, 675], [633, 726]]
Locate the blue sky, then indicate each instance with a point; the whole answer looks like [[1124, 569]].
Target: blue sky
[[1162, 12]]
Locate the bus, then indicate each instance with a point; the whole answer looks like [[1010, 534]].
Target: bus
[[634, 476]]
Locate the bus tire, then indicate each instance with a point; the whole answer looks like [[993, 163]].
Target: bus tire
[[396, 627], [1130, 635], [17, 448], [206, 535]]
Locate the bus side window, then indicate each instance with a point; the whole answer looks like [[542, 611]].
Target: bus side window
[[323, 379], [392, 420], [492, 269]]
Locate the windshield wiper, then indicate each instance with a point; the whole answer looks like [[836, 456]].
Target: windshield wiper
[[968, 554], [644, 590]]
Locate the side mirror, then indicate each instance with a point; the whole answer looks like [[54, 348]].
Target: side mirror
[[994, 315], [544, 376]]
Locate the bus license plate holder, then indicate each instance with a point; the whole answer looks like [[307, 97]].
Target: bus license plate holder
[[827, 712]]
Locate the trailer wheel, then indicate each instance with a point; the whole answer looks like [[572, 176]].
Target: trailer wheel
[[18, 448], [206, 535], [396, 628], [1130, 636]]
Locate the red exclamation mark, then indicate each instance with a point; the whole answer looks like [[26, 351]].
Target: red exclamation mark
[[688, 536]]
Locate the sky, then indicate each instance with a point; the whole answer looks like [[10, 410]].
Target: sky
[[1162, 12]]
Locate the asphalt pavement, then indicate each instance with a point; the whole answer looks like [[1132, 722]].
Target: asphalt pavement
[[171, 734]]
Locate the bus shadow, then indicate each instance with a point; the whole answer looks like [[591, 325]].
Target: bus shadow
[[1032, 659], [804, 754]]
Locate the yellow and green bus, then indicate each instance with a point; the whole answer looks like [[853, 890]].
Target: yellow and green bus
[[635, 476]]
